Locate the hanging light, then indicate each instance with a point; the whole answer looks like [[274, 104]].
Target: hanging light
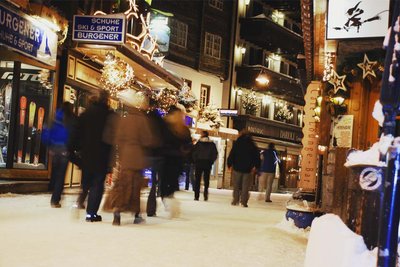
[[262, 79]]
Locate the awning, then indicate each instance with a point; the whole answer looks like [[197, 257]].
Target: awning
[[225, 133], [146, 71]]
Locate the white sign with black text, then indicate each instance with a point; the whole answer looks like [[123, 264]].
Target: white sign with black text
[[349, 19]]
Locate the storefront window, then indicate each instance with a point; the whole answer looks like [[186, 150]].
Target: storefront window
[[32, 117]]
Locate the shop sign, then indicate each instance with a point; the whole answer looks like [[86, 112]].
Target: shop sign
[[357, 19], [28, 36], [343, 131], [274, 131], [309, 153], [99, 29], [228, 112]]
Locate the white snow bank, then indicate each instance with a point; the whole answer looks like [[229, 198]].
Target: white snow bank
[[289, 227], [332, 244], [372, 155], [377, 114]]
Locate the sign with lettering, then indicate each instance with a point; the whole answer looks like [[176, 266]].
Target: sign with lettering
[[28, 36], [99, 29], [343, 131], [309, 153], [357, 19], [274, 131]]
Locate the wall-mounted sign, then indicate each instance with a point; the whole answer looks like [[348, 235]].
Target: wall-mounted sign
[[309, 153], [28, 36], [357, 19], [228, 112], [99, 29], [371, 178], [343, 131]]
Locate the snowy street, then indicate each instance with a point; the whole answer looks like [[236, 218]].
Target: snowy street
[[212, 233]]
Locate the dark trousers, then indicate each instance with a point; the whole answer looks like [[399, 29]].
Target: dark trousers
[[96, 190], [156, 170], [202, 168], [58, 168], [170, 176], [187, 169], [85, 190]]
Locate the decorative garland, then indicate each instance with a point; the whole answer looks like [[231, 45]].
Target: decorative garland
[[250, 103], [116, 75], [211, 115], [284, 114]]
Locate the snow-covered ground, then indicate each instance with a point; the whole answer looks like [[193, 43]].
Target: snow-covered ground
[[212, 233]]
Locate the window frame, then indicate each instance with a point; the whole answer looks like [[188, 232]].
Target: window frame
[[180, 30], [217, 4], [210, 42]]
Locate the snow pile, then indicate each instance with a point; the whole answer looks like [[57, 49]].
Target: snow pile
[[372, 155], [377, 114], [332, 244], [288, 226]]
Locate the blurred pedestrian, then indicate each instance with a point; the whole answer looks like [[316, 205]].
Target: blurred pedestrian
[[244, 159], [77, 141], [269, 161], [58, 141], [133, 136], [96, 154], [204, 154], [177, 146], [156, 160]]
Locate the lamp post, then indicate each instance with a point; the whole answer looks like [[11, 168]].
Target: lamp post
[[390, 99]]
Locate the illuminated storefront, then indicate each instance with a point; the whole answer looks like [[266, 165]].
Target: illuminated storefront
[[28, 66]]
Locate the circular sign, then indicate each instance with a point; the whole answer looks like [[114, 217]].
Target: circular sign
[[370, 178]]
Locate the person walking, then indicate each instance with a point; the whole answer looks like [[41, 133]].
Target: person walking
[[133, 136], [58, 140], [178, 145], [269, 161], [156, 160], [244, 159], [95, 153], [204, 154]]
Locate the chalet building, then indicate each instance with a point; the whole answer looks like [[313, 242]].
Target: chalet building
[[268, 67]]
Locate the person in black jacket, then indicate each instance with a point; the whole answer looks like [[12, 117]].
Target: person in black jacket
[[244, 159], [96, 154], [204, 154]]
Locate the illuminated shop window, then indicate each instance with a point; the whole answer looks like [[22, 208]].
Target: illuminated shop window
[[213, 45], [24, 149], [218, 4], [179, 32]]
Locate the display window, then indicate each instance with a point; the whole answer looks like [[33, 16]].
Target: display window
[[32, 103]]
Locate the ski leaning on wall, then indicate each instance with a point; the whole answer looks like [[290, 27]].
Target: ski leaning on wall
[[36, 151], [22, 114], [31, 118]]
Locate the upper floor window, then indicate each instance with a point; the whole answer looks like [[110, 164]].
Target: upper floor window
[[179, 33], [273, 62], [218, 4], [212, 46]]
